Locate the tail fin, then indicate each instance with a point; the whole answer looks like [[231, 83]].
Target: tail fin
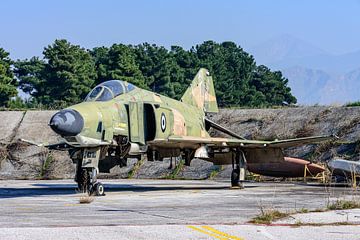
[[201, 92]]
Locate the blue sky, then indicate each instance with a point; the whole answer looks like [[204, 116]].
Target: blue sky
[[27, 26]]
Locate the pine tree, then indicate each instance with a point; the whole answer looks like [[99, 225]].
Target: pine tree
[[64, 77], [7, 81]]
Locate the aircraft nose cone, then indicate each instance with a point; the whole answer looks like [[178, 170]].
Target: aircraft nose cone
[[67, 122]]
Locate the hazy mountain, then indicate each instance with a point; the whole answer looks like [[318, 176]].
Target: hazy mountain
[[306, 84], [343, 89], [316, 86], [315, 76], [283, 48], [332, 63]]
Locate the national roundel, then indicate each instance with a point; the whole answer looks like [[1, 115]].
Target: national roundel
[[163, 122]]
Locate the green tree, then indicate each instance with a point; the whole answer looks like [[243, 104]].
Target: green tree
[[272, 86], [101, 59], [160, 69], [118, 62], [238, 81], [31, 74], [189, 64], [7, 81], [68, 72], [231, 68], [64, 77]]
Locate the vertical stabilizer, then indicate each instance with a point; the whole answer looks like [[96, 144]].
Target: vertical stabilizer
[[201, 92]]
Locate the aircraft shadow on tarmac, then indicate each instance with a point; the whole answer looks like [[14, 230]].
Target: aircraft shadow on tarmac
[[42, 189]]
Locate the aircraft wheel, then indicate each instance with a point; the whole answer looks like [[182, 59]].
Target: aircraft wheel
[[99, 189]]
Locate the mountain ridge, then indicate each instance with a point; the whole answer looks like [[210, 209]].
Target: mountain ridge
[[315, 76]]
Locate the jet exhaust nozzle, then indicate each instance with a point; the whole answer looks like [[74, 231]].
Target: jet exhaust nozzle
[[67, 122]]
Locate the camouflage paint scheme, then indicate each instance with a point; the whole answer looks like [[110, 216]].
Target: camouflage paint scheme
[[182, 119], [139, 122]]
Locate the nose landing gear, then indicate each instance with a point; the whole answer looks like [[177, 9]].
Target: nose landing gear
[[86, 173], [87, 183]]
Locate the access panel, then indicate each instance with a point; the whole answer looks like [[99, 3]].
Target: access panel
[[136, 112]]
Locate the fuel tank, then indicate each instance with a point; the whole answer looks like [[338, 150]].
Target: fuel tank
[[291, 167]]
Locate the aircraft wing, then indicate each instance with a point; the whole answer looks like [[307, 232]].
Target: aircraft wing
[[193, 142], [299, 141], [61, 146]]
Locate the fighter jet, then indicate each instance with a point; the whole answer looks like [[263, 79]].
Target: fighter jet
[[118, 120], [343, 169]]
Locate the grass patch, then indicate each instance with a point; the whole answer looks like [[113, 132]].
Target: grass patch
[[45, 167], [299, 224], [252, 176], [343, 204], [136, 168], [266, 216], [319, 210], [176, 171], [215, 172], [303, 210]]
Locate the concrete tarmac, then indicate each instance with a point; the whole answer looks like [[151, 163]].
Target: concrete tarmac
[[163, 209]]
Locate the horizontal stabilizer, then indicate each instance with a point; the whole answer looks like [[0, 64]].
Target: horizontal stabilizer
[[222, 129]]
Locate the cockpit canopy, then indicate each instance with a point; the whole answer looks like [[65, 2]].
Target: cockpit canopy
[[108, 90]]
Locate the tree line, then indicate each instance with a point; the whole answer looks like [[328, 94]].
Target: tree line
[[66, 73]]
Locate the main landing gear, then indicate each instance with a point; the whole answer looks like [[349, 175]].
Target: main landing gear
[[238, 172]]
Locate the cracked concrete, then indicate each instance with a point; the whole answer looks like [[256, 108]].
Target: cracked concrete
[[21, 160], [163, 209], [9, 122]]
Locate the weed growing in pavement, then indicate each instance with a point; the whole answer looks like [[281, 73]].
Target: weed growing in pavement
[[344, 204], [136, 168], [266, 216], [178, 168]]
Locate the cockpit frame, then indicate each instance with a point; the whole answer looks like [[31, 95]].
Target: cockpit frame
[[108, 90]]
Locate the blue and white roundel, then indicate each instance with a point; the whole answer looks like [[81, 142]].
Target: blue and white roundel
[[163, 122]]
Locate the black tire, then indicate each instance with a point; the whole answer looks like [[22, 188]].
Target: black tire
[[122, 162], [83, 181], [157, 156], [150, 155], [188, 156], [235, 177], [99, 189]]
